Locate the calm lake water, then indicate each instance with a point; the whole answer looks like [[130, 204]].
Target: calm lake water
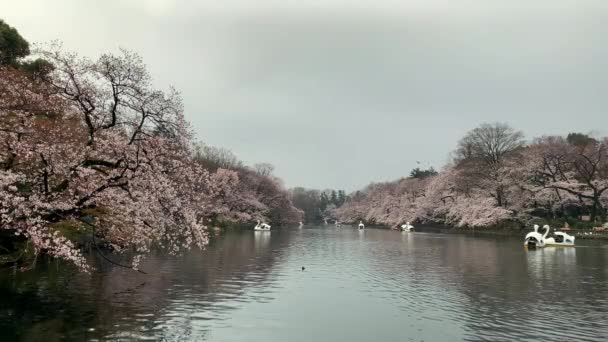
[[371, 285]]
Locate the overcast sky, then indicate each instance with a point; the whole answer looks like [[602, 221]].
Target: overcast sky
[[339, 93]]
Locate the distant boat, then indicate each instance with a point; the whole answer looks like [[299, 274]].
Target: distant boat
[[301, 224], [361, 225], [338, 224], [407, 227], [262, 226]]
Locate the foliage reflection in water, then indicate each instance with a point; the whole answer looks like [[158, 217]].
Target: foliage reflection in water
[[358, 285]]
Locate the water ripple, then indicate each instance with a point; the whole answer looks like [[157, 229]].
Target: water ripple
[[357, 286]]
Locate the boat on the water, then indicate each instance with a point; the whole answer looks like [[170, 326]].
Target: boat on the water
[[361, 225], [407, 227], [261, 226], [534, 239], [559, 239]]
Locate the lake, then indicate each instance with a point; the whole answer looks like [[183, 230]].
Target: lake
[[369, 285]]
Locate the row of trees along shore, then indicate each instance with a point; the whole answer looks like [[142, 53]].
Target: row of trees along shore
[[93, 155], [496, 177], [318, 206]]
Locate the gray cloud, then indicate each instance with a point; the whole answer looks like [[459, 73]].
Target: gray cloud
[[337, 94]]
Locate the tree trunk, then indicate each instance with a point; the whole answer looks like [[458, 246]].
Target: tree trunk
[[499, 199], [598, 209]]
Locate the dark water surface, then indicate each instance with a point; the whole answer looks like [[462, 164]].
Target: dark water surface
[[372, 285]]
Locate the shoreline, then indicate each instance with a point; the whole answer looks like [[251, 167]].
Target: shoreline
[[505, 229]]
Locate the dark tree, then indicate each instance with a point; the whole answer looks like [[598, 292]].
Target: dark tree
[[38, 68], [420, 173], [334, 198], [481, 156], [324, 201], [580, 139], [12, 45], [341, 198]]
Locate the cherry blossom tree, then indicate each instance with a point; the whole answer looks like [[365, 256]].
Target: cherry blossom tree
[[94, 150], [481, 157], [390, 203], [270, 192], [571, 172], [493, 179]]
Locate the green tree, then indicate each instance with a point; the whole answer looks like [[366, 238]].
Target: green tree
[[580, 139], [37, 68], [334, 198], [324, 201], [12, 45], [420, 173], [341, 198]]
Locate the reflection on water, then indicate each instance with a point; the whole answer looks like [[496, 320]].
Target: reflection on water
[[262, 239], [359, 285]]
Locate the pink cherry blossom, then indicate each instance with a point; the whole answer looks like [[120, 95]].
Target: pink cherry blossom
[[94, 145]]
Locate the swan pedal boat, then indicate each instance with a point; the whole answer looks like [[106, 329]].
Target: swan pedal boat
[[407, 227], [559, 239], [262, 227]]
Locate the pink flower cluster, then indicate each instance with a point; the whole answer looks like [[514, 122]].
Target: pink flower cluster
[[94, 143], [546, 178]]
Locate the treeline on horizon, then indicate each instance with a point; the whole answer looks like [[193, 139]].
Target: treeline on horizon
[[317, 205], [93, 155], [494, 177]]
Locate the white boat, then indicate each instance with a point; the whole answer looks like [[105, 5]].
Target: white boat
[[361, 225], [301, 225], [535, 239], [407, 227], [338, 224], [261, 226], [559, 239]]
